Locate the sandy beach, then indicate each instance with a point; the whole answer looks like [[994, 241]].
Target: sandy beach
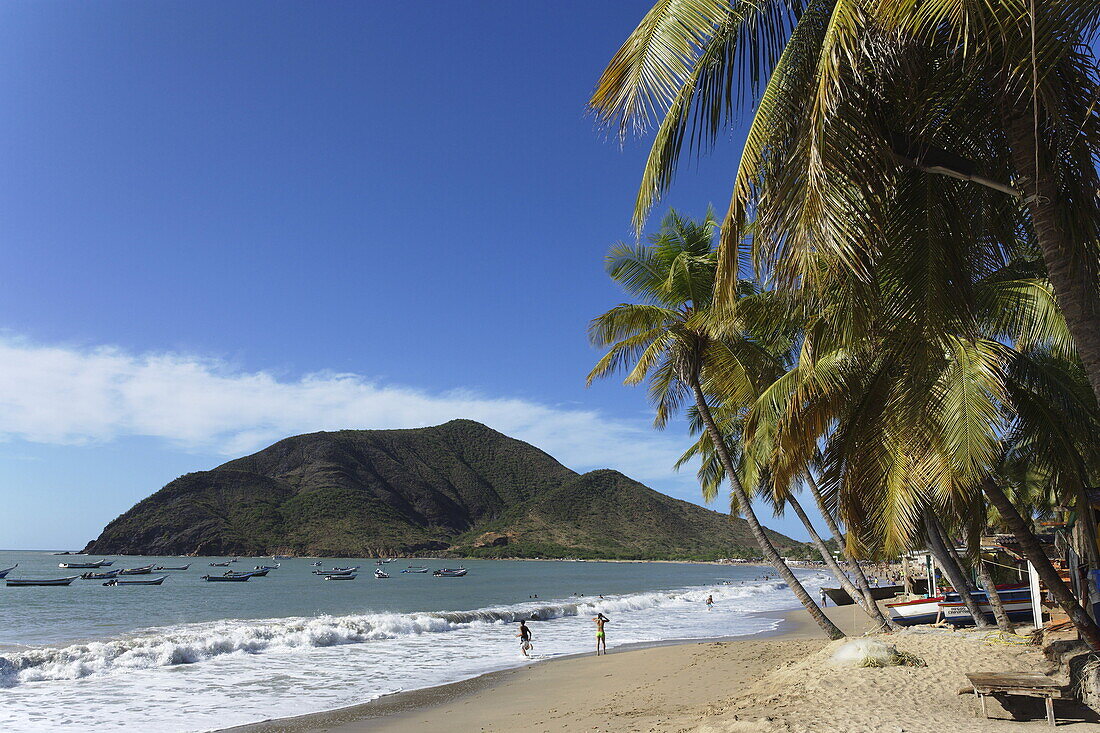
[[778, 682]]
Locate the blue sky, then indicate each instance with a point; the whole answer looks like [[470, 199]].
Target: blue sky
[[228, 222]]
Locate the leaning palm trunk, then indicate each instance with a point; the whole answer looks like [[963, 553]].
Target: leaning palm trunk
[[871, 609], [995, 602], [954, 572], [949, 544], [974, 550], [1033, 551], [766, 547], [841, 540], [1076, 292]]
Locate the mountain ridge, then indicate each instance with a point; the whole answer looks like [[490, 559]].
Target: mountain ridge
[[456, 489]]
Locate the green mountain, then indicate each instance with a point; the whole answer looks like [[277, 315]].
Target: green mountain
[[458, 489]]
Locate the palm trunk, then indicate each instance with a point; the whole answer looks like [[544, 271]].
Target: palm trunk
[[871, 609], [954, 572], [842, 542], [949, 543], [766, 547], [1075, 288], [990, 588], [1033, 551]]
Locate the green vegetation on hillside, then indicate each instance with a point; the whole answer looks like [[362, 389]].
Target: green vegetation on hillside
[[455, 489]]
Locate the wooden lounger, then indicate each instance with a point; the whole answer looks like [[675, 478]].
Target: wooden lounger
[[1018, 683]]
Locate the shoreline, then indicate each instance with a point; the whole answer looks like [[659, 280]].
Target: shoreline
[[402, 710]]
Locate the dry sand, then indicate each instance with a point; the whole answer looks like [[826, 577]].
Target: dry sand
[[783, 682]]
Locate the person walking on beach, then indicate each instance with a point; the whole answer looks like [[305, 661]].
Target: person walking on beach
[[824, 598], [710, 602], [601, 639], [524, 638]]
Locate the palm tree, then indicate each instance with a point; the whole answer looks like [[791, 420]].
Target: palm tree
[[846, 92], [950, 90], [666, 339], [712, 475]]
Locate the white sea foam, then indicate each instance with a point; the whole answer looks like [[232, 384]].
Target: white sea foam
[[206, 676], [194, 643]]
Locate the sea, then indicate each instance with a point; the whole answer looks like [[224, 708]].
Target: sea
[[191, 655]]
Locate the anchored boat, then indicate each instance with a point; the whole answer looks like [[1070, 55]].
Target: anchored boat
[[143, 570], [100, 576], [85, 565], [158, 568], [40, 581], [348, 576], [5, 571], [141, 581], [226, 578], [450, 573], [380, 573]]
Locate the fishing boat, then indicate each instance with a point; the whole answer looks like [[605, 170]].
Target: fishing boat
[[143, 570], [840, 597], [220, 564], [40, 581], [920, 611], [226, 578], [350, 576], [315, 564], [415, 569], [380, 573], [347, 569], [165, 567], [450, 573], [1016, 600], [100, 576], [85, 565], [141, 581], [253, 573], [336, 571], [5, 571], [276, 566]]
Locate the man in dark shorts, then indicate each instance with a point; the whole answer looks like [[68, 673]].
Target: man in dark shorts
[[524, 638]]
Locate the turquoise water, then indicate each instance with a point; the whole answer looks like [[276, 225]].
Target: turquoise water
[[192, 655]]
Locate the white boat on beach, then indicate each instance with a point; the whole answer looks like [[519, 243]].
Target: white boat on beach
[[950, 607], [920, 611], [1015, 598]]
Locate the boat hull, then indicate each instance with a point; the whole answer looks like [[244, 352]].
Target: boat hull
[[143, 581], [840, 597], [912, 613], [23, 582], [226, 578]]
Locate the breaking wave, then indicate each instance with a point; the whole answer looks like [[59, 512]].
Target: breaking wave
[[194, 643]]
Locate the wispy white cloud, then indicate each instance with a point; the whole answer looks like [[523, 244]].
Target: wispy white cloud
[[68, 395]]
